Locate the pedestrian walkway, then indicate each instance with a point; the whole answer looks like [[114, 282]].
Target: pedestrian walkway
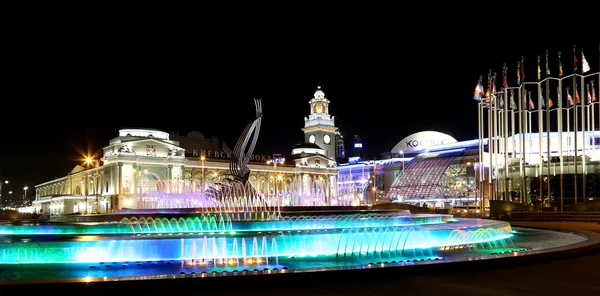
[[568, 225]]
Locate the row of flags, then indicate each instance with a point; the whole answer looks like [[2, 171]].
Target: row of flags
[[480, 93], [591, 97]]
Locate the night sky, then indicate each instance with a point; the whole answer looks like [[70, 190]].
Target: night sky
[[68, 86]]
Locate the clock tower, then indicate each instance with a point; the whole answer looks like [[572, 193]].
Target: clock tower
[[319, 127]]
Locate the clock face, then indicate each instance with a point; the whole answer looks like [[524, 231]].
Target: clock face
[[326, 139], [311, 139]]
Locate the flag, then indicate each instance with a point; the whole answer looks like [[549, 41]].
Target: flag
[[577, 96], [574, 62], [543, 103], [501, 100], [522, 70], [589, 95], [519, 73], [531, 105], [584, 64], [478, 91], [558, 96], [494, 84], [593, 93], [560, 71], [489, 86], [513, 106], [550, 103], [539, 73], [569, 98], [504, 81]]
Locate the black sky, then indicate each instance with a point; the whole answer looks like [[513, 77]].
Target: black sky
[[69, 85]]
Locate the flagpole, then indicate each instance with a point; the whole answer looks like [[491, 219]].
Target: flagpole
[[529, 129], [575, 120], [479, 133], [583, 130], [588, 119], [505, 134], [495, 119], [492, 137], [481, 168], [569, 126], [560, 138], [540, 117], [512, 126], [489, 136], [522, 123], [589, 111], [529, 137], [548, 151], [524, 144], [497, 125], [593, 119]]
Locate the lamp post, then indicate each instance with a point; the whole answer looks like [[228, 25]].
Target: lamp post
[[402, 154], [96, 163], [275, 160], [203, 158], [25, 195], [375, 182]]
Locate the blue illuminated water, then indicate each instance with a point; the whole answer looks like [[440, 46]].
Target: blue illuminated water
[[215, 242]]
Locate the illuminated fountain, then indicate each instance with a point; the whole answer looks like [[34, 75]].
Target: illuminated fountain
[[224, 242], [218, 237], [229, 228], [229, 198]]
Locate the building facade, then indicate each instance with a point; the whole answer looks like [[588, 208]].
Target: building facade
[[145, 168], [435, 170]]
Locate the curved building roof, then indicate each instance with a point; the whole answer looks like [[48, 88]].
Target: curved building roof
[[421, 141]]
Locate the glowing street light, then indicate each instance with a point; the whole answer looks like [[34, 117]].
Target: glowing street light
[[89, 160], [25, 195], [203, 158]]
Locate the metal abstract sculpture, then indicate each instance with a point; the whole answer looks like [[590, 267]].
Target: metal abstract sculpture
[[238, 165]]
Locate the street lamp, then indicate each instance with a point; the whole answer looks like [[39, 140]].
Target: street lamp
[[25, 195], [277, 159], [89, 160], [203, 158], [402, 153]]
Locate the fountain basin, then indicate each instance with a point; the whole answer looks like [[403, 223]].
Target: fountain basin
[[282, 240]]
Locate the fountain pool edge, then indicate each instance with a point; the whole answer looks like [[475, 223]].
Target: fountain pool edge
[[592, 243]]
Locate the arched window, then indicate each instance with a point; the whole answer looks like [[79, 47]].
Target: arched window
[[198, 182], [187, 180]]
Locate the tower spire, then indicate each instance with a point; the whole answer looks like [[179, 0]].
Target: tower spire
[[319, 127]]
